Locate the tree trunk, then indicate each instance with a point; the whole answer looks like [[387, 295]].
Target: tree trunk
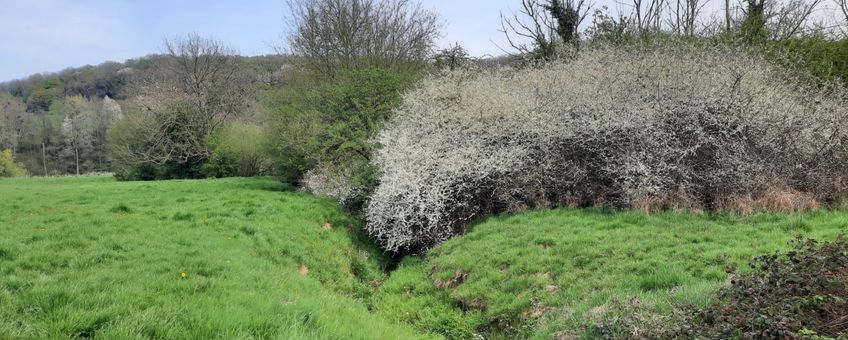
[[76, 156], [43, 159], [727, 16]]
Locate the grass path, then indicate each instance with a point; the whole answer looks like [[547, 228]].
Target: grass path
[[94, 258]]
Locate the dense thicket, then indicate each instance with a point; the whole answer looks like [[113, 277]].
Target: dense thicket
[[669, 126]]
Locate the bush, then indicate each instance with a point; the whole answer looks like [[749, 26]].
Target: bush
[[801, 292], [8, 166], [641, 127], [161, 144], [238, 150], [328, 127]]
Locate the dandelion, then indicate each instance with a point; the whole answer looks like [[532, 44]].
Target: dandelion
[[183, 275]]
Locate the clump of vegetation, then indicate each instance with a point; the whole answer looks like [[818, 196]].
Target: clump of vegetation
[[322, 132], [803, 292], [644, 127], [239, 149], [121, 209], [8, 166]]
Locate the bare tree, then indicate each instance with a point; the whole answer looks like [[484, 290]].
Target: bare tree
[[684, 15], [334, 35], [789, 18], [647, 15], [545, 24], [194, 90], [843, 6], [78, 127]]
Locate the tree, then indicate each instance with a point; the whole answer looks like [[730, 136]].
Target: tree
[[107, 116], [78, 127], [451, 58], [546, 24], [43, 94], [684, 16], [12, 122], [772, 19], [647, 15], [568, 19], [789, 18], [753, 28], [187, 96], [336, 35]]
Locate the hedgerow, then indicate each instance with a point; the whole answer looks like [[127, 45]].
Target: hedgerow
[[669, 127]]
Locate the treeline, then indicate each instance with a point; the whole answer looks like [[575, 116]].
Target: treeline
[[59, 123], [312, 113]]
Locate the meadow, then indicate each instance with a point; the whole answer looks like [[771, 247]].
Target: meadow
[[91, 257], [249, 258]]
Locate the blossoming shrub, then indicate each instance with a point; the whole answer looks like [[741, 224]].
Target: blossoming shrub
[[646, 128]]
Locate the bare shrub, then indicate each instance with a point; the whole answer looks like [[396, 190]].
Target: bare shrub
[[667, 127]]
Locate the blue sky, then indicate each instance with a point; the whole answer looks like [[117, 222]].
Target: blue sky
[[50, 35]]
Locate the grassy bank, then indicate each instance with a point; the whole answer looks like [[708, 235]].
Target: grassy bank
[[571, 273]]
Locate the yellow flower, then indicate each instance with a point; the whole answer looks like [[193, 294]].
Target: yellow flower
[[184, 275]]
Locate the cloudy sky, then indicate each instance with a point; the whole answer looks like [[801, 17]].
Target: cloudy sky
[[50, 35]]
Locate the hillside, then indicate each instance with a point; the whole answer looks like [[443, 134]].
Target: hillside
[[237, 258]]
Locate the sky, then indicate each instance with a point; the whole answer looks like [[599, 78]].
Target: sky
[[51, 35]]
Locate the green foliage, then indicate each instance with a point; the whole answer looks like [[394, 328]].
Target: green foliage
[[570, 273], [74, 268], [163, 145], [44, 94], [823, 58], [331, 123], [803, 291], [451, 58], [567, 19], [753, 27], [238, 149], [8, 166]]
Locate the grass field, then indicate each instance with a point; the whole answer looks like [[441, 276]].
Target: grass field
[[558, 273], [90, 257]]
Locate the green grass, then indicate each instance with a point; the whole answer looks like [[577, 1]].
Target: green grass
[[559, 272], [93, 258]]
